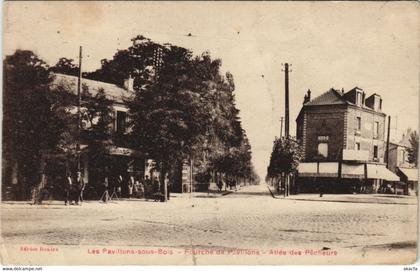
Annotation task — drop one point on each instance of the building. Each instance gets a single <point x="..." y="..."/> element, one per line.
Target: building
<point x="399" y="164"/>
<point x="120" y="158"/>
<point x="342" y="135"/>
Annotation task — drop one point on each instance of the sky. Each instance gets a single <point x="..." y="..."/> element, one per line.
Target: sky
<point x="372" y="45"/>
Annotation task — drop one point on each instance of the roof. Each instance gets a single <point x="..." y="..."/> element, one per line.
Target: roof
<point x="412" y="174"/>
<point x="329" y="97"/>
<point x="400" y="144"/>
<point x="112" y="92"/>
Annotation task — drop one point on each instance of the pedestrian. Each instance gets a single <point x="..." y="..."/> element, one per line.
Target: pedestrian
<point x="118" y="185"/>
<point x="156" y="185"/>
<point x="168" y="187"/>
<point x="80" y="187"/>
<point x="147" y="181"/>
<point x="68" y="185"/>
<point x="136" y="189"/>
<point x="142" y="190"/>
<point x="130" y="185"/>
<point x="220" y="185"/>
<point x="105" y="186"/>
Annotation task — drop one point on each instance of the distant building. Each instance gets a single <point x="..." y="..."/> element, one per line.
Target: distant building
<point x="343" y="139"/>
<point x="399" y="164"/>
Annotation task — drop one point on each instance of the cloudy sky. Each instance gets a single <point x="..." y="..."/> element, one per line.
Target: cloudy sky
<point x="374" y="46"/>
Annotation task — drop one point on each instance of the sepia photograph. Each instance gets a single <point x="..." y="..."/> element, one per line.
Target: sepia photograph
<point x="147" y="133"/>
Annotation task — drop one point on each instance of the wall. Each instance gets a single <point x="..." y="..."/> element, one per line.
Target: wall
<point x="366" y="134"/>
<point x="323" y="121"/>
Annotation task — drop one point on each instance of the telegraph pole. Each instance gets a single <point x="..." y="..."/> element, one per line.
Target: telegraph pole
<point x="281" y="126"/>
<point x="286" y="124"/>
<point x="286" y="89"/>
<point x="79" y="115"/>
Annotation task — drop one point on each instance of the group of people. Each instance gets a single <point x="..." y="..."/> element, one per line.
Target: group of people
<point x="112" y="187"/>
<point x="229" y="183"/>
<point x="74" y="189"/>
<point x="135" y="188"/>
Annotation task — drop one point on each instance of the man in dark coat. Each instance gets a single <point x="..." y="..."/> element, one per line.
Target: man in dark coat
<point x="68" y="189"/>
<point x="80" y="186"/>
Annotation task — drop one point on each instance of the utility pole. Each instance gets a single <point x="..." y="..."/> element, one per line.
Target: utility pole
<point x="387" y="142"/>
<point x="286" y="89"/>
<point x="79" y="115"/>
<point x="286" y="125"/>
<point x="281" y="126"/>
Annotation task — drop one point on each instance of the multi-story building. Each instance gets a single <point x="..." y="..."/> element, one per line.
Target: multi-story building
<point x="399" y="164"/>
<point x="342" y="135"/>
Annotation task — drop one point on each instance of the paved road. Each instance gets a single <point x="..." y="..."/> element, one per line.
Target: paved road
<point x="248" y="219"/>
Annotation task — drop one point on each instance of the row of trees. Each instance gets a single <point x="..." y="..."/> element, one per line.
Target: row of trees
<point x="183" y="108"/>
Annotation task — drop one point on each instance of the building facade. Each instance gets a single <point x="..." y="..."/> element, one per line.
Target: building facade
<point x="343" y="139"/>
<point x="399" y="164"/>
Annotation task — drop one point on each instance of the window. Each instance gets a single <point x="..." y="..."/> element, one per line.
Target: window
<point x="375" y="129"/>
<point x="359" y="98"/>
<point x="121" y="122"/>
<point x="375" y="152"/>
<point x="323" y="149"/>
<point x="358" y="123"/>
<point x="357" y="146"/>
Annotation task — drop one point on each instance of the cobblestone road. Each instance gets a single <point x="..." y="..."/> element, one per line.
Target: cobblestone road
<point x="249" y="218"/>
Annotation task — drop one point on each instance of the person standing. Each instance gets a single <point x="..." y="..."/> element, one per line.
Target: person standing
<point x="118" y="185"/>
<point x="130" y="185"/>
<point x="105" y="186"/>
<point x="80" y="187"/>
<point x="168" y="187"/>
<point x="68" y="189"/>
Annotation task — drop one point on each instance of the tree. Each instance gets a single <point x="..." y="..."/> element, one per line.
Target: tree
<point x="284" y="160"/>
<point x="183" y="107"/>
<point x="413" y="151"/>
<point x="97" y="113"/>
<point x="170" y="116"/>
<point x="30" y="124"/>
<point x="285" y="157"/>
<point x="65" y="66"/>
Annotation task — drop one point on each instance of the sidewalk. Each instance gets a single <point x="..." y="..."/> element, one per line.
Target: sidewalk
<point x="90" y="201"/>
<point x="353" y="198"/>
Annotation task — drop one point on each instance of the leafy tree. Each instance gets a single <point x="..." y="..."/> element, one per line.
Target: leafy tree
<point x="65" y="66"/>
<point x="30" y="124"/>
<point x="182" y="109"/>
<point x="97" y="113"/>
<point x="285" y="157"/>
<point x="413" y="151"/>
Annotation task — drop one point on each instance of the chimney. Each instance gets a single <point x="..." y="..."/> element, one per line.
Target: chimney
<point x="307" y="97"/>
<point x="129" y="83"/>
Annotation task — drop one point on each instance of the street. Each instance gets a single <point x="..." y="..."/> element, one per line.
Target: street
<point x="246" y="219"/>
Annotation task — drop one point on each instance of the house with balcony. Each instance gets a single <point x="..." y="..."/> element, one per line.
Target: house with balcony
<point x="342" y="135"/>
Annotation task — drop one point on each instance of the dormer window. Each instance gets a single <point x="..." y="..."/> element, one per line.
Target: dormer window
<point x="359" y="98"/>
<point x="377" y="103"/>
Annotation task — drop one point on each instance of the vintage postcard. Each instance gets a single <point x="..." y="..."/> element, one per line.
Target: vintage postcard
<point x="209" y="133"/>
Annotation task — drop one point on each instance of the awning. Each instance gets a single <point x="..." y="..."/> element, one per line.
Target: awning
<point x="353" y="171"/>
<point x="308" y="169"/>
<point x="375" y="171"/>
<point x="322" y="169"/>
<point x="412" y="174"/>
